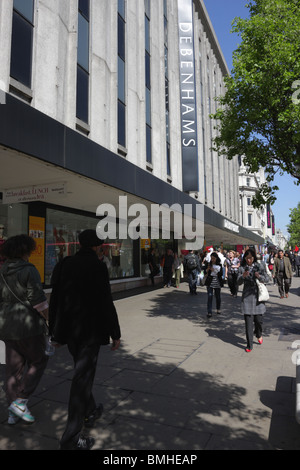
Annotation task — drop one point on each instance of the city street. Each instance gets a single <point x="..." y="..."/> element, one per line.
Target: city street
<point x="179" y="381"/>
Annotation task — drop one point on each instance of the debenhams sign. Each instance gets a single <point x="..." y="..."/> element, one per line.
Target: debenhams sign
<point x="231" y="226"/>
<point x="188" y="96"/>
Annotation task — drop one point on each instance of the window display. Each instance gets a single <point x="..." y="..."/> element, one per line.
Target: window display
<point x="62" y="230"/>
<point x="13" y="221"/>
<point x="160" y="247"/>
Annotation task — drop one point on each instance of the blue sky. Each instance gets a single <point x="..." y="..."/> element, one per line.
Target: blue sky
<point x="222" y="13"/>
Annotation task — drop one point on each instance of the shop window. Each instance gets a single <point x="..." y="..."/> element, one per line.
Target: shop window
<point x="160" y="247"/>
<point x="62" y="231"/>
<point x="13" y="221"/>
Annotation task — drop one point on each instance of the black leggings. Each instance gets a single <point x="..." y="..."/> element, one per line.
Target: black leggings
<point x="258" y="321"/>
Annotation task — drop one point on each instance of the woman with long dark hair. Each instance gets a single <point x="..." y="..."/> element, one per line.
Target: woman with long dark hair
<point x="252" y="309"/>
<point x="214" y="282"/>
<point x="22" y="328"/>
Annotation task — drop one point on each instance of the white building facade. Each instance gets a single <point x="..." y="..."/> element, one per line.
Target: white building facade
<point x="260" y="221"/>
<point x="281" y="240"/>
<point x="103" y="98"/>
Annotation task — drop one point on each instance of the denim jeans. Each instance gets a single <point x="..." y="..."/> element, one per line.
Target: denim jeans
<point x="210" y="293"/>
<point x="193" y="280"/>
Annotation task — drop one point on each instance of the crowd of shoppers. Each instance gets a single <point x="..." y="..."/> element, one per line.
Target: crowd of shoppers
<point x="82" y="315"/>
<point x="213" y="269"/>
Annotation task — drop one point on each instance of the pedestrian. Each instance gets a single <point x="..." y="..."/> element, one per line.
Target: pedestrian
<point x="214" y="282"/>
<point x="283" y="273"/>
<point x="154" y="270"/>
<point x="273" y="270"/>
<point x="23" y="311"/>
<point x="291" y="255"/>
<point x="192" y="267"/>
<point x="265" y="256"/>
<point x="208" y="254"/>
<point x="83" y="316"/>
<point x="231" y="272"/>
<point x="297" y="264"/>
<point x="270" y="262"/>
<point x="265" y="265"/>
<point x="168" y="268"/>
<point x="252" y="309"/>
<point x="223" y="263"/>
<point x="177" y="269"/>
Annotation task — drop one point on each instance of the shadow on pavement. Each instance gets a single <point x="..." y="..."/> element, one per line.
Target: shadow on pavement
<point x="173" y="391"/>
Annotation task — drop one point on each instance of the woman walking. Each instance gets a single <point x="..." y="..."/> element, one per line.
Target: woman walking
<point x="214" y="282"/>
<point x="231" y="272"/>
<point x="177" y="270"/>
<point x="22" y="301"/>
<point x="252" y="309"/>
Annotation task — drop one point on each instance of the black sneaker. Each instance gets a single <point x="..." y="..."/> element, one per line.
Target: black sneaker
<point x="89" y="421"/>
<point x="82" y="443"/>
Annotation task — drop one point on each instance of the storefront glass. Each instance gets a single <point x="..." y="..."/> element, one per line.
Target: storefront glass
<point x="62" y="231"/>
<point x="13" y="221"/>
<point x="160" y="247"/>
<point x="14" y="218"/>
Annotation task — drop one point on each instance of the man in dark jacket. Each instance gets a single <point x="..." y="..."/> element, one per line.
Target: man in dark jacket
<point x="192" y="266"/>
<point x="83" y="316"/>
<point x="283" y="273"/>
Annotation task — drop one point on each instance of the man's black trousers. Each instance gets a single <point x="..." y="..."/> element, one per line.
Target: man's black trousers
<point x="81" y="401"/>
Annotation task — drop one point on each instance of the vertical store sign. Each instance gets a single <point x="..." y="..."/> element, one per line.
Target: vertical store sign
<point x="37" y="232"/>
<point x="273" y="225"/>
<point x="190" y="180"/>
<point x="268" y="216"/>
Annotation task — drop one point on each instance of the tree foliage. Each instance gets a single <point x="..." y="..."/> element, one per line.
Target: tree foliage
<point x="259" y="115"/>
<point x="294" y="226"/>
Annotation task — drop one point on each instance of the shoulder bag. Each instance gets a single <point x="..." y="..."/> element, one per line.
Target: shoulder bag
<point x="23" y="303"/>
<point x="263" y="294"/>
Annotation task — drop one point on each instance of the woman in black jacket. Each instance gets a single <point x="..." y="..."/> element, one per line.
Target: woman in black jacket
<point x="22" y="328"/>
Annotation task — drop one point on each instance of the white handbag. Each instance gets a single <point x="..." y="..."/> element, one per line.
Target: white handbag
<point x="263" y="294"/>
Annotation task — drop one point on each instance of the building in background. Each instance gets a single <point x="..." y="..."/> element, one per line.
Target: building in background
<point x="281" y="240"/>
<point x="260" y="221"/>
<point x="106" y="98"/>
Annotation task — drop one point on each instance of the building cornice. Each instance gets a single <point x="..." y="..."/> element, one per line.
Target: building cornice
<point x="209" y="29"/>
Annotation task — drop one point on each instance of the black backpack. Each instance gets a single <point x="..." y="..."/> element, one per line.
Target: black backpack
<point x="191" y="262"/>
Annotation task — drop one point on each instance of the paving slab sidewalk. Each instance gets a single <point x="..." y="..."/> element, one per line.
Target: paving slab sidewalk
<point x="180" y="381"/>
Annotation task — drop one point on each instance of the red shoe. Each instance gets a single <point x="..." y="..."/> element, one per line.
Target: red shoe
<point x="248" y="350"/>
<point x="260" y="340"/>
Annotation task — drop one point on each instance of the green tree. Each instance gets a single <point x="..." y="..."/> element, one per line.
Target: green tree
<point x="259" y="115"/>
<point x="294" y="226"/>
